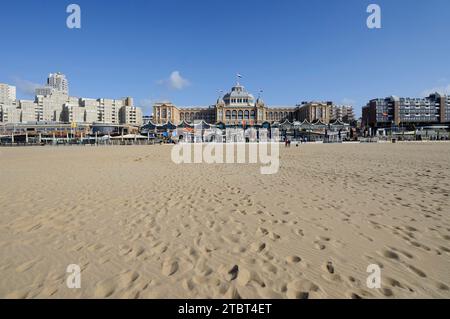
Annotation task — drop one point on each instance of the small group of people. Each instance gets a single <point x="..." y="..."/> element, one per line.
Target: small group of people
<point x="287" y="142"/>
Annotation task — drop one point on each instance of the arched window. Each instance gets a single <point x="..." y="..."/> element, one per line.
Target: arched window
<point x="234" y="115"/>
<point x="270" y="116"/>
<point x="240" y="115"/>
<point x="182" y="116"/>
<point x="228" y="114"/>
<point x="164" y="113"/>
<point x="246" y="115"/>
<point x="252" y="115"/>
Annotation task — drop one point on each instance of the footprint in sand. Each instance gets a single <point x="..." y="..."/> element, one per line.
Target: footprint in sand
<point x="390" y="254"/>
<point x="257" y="247"/>
<point x="229" y="273"/>
<point x="301" y="289"/>
<point x="128" y="278"/>
<point x="105" y="288"/>
<point x="417" y="271"/>
<point x="169" y="267"/>
<point x="293" y="259"/>
<point x="319" y="246"/>
<point x="274" y="236"/>
<point x="330" y="267"/>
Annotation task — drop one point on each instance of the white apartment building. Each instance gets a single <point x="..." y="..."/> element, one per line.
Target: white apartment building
<point x="53" y="104"/>
<point x="45" y="91"/>
<point x="7" y="93"/>
<point x="49" y="108"/>
<point x="28" y="111"/>
<point x="90" y="107"/>
<point x="131" y="115"/>
<point x="9" y="113"/>
<point x="108" y="110"/>
<point x="73" y="113"/>
<point x="59" y="82"/>
<point x="56" y="82"/>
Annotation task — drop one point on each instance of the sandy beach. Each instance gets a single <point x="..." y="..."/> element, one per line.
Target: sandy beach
<point x="140" y="226"/>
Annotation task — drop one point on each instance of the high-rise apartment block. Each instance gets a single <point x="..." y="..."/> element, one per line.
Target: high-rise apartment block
<point x="53" y="104"/>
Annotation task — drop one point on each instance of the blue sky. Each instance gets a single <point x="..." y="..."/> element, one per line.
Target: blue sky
<point x="293" y="50"/>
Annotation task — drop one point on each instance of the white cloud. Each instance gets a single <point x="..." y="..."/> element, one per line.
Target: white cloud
<point x="24" y="86"/>
<point x="440" y="89"/>
<point x="175" y="81"/>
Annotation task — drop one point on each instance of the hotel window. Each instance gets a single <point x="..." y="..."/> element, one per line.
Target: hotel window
<point x="252" y="115"/>
<point x="228" y="115"/>
<point x="246" y="115"/>
<point x="240" y="115"/>
<point x="234" y="115"/>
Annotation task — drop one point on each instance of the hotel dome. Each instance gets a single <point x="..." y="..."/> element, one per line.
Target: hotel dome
<point x="239" y="97"/>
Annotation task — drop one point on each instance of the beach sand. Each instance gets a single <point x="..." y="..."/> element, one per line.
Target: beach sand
<point x="140" y="226"/>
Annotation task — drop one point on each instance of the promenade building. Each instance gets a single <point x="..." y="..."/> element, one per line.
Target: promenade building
<point x="239" y="107"/>
<point x="395" y="111"/>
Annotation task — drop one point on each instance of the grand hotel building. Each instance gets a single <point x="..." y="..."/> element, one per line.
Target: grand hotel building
<point x="239" y="107"/>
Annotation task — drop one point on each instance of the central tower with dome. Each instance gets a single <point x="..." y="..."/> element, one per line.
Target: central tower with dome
<point x="239" y="107"/>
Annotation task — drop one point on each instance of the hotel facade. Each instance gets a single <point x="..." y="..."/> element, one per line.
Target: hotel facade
<point x="239" y="107"/>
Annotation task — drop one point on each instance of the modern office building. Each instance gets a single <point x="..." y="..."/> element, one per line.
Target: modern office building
<point x="395" y="111"/>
